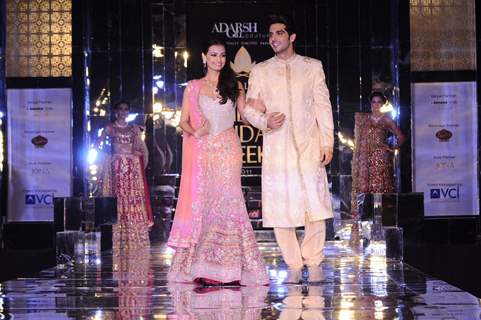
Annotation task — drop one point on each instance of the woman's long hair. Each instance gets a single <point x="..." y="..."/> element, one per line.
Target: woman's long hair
<point x="227" y="85"/>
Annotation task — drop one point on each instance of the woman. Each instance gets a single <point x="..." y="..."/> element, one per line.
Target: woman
<point x="211" y="232"/>
<point x="123" y="177"/>
<point x="372" y="162"/>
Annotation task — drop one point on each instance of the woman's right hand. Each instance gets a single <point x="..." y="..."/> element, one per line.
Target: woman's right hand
<point x="203" y="130"/>
<point x="388" y="148"/>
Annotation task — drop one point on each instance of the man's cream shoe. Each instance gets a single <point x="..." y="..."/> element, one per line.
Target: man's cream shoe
<point x="315" y="274"/>
<point x="293" y="276"/>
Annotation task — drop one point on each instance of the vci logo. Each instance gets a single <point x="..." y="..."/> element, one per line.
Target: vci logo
<point x="45" y="199"/>
<point x="445" y="193"/>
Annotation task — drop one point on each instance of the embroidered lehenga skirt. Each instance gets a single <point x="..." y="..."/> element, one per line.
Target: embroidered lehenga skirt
<point x="223" y="247"/>
<point x="128" y="184"/>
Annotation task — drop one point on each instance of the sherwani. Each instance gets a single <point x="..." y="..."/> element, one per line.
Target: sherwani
<point x="294" y="183"/>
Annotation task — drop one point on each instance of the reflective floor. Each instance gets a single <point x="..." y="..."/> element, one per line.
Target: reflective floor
<point x="135" y="287"/>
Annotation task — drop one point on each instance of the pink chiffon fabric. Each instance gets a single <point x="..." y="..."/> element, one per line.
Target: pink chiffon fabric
<point x="211" y="233"/>
<point x="181" y="234"/>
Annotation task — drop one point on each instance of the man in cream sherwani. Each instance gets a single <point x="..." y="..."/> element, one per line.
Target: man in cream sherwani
<point x="288" y="99"/>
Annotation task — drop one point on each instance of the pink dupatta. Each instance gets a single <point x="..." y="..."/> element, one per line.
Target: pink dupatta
<point x="187" y="217"/>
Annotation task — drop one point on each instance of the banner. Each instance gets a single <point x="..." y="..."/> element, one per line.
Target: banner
<point x="39" y="151"/>
<point x="242" y="27"/>
<point x="445" y="131"/>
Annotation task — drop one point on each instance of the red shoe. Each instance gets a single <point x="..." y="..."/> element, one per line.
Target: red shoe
<point x="206" y="289"/>
<point x="210" y="282"/>
<point x="214" y="283"/>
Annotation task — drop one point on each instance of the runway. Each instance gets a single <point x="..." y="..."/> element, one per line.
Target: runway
<point x="134" y="287"/>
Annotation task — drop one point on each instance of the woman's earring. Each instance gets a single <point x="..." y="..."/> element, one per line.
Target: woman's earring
<point x="205" y="67"/>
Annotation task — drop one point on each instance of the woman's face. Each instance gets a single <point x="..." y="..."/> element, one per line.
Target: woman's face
<point x="215" y="57"/>
<point x="376" y="104"/>
<point x="122" y="111"/>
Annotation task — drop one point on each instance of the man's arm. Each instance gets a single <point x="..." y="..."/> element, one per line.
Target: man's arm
<point x="255" y="116"/>
<point x="254" y="109"/>
<point x="323" y="111"/>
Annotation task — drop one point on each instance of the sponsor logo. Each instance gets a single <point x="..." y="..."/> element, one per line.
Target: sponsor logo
<point x="39" y="108"/>
<point x="235" y="30"/>
<point x="444" y="165"/>
<point x="42" y="199"/>
<point x="447" y="193"/>
<point x="29" y="199"/>
<point x="242" y="64"/>
<point x="444" y="162"/>
<point x="444" y="135"/>
<point x="39" y="141"/>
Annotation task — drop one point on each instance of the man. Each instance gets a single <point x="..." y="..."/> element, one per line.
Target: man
<point x="298" y="143"/>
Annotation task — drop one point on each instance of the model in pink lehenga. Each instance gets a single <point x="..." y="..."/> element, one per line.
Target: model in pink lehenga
<point x="211" y="233"/>
<point x="123" y="176"/>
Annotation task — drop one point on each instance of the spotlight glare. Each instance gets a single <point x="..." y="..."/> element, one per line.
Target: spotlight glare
<point x="157" y="107"/>
<point x="160" y="84"/>
<point x="387" y="107"/>
<point x="92" y="156"/>
<point x="131" y="117"/>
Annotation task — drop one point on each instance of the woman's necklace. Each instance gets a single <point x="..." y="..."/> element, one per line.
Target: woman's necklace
<point x="376" y="118"/>
<point x="121" y="125"/>
<point x="213" y="87"/>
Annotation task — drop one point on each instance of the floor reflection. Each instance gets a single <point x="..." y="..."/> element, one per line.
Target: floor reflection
<point x="133" y="273"/>
<point x="132" y="285"/>
<point x="303" y="302"/>
<point x="193" y="302"/>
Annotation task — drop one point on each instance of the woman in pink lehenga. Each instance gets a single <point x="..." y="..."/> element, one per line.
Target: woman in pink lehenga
<point x="211" y="233"/>
<point x="123" y="176"/>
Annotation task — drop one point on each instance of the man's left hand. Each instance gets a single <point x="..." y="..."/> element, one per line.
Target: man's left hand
<point x="326" y="156"/>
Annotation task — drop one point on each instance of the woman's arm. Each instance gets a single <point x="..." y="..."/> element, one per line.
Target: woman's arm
<point x="184" y="123"/>
<point x="105" y="133"/>
<point x="392" y="127"/>
<point x="241" y="102"/>
<point x="140" y="146"/>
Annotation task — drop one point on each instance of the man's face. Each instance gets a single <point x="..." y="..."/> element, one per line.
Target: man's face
<point x="279" y="39"/>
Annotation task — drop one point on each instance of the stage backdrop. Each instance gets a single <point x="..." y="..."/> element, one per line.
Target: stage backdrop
<point x="445" y="131"/>
<point x="243" y="28"/>
<point x="39" y="151"/>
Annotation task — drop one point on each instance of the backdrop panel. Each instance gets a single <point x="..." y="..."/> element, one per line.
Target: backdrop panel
<point x="445" y="133"/>
<point x="39" y="151"/>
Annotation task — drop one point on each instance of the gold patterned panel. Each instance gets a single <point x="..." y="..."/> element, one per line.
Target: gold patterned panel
<point x="443" y="35"/>
<point x="39" y="38"/>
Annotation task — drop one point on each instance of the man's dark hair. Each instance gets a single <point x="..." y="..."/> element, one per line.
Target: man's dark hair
<point x="285" y="20"/>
